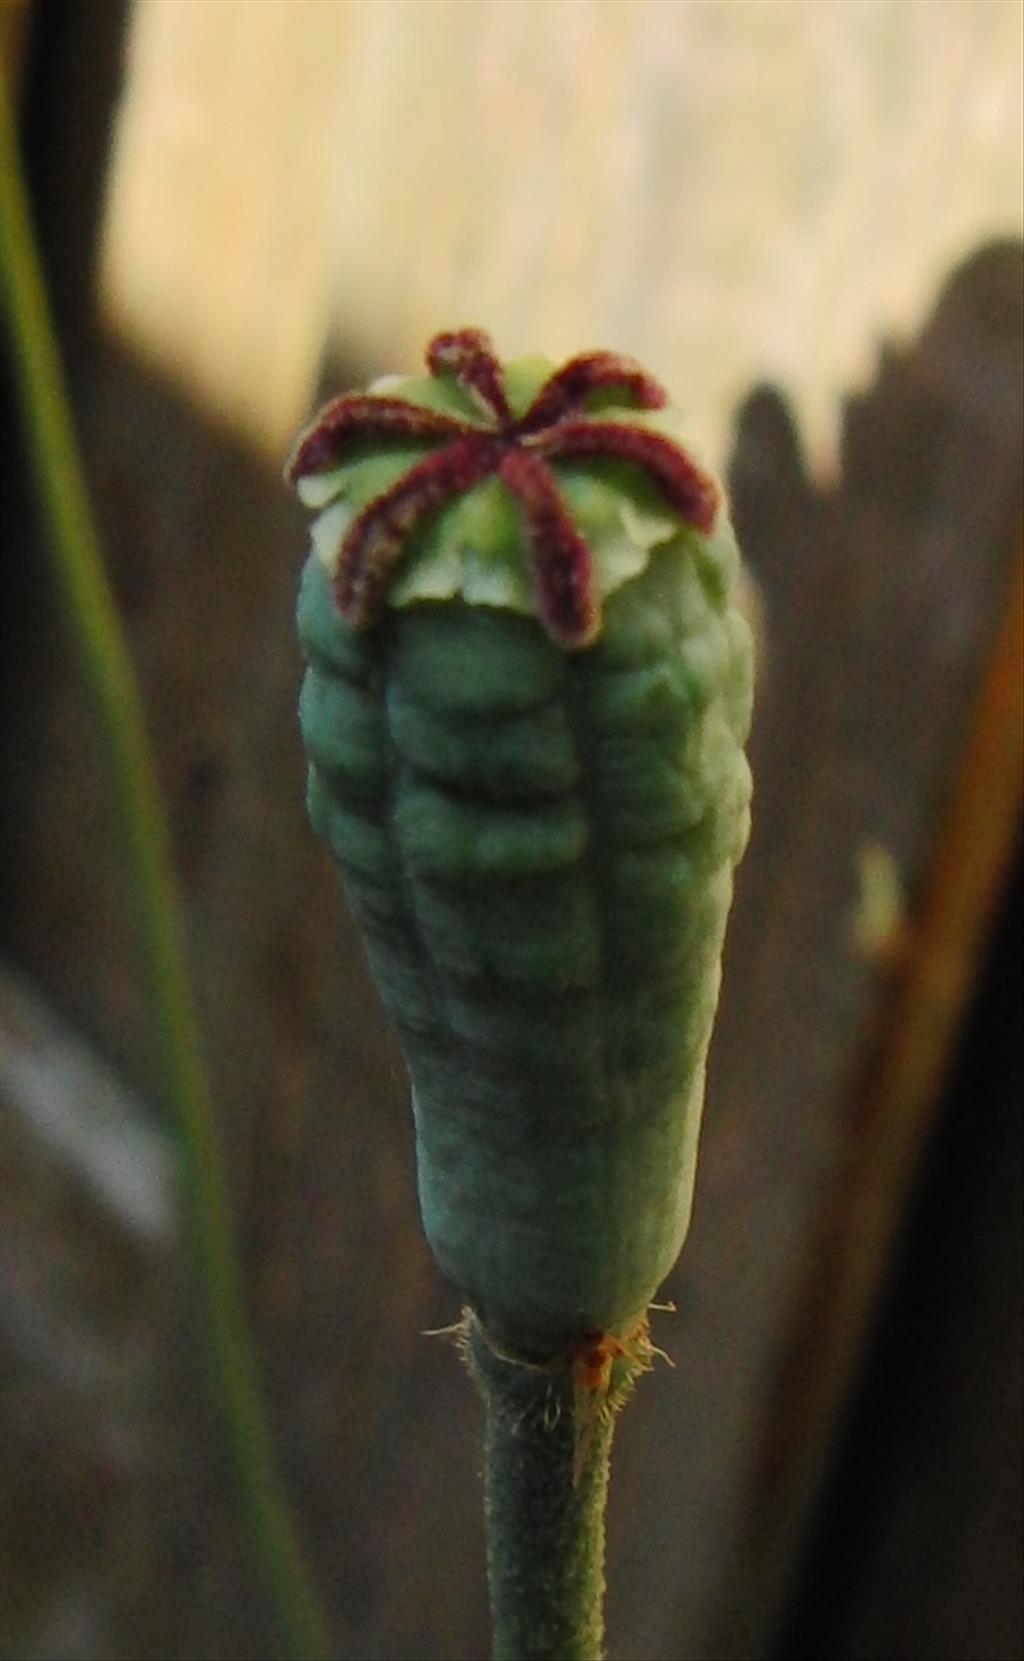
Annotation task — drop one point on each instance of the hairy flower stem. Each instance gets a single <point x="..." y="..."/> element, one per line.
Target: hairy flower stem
<point x="546" y="1458"/>
<point x="73" y="539"/>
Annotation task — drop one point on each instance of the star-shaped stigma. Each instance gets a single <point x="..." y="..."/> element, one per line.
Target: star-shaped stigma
<point x="519" y="450"/>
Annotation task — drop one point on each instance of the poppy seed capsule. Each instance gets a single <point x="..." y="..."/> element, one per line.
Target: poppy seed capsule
<point x="527" y="693"/>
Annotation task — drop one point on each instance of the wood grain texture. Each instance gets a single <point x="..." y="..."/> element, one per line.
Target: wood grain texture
<point x="723" y="190"/>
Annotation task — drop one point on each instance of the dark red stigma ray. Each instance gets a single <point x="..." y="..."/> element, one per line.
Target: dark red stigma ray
<point x="374" y="542"/>
<point x="359" y="415"/>
<point x="688" y="490"/>
<point x="565" y="392"/>
<point x="469" y="356"/>
<point x="563" y="566"/>
<point x="555" y="427"/>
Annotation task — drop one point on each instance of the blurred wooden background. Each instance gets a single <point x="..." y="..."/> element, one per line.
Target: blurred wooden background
<point x="728" y="190"/>
<point x="754" y="198"/>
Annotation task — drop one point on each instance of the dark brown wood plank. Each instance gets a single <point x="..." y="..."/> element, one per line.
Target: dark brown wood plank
<point x="922" y="747"/>
<point x="918" y="1547"/>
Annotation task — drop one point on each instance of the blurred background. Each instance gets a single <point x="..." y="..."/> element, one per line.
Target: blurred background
<point x="805" y="217"/>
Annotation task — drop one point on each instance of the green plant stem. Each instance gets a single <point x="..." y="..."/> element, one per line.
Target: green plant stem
<point x="546" y="1490"/>
<point x="65" y="507"/>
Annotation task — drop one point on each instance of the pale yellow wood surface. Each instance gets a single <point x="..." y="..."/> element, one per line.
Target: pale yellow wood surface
<point x="732" y="189"/>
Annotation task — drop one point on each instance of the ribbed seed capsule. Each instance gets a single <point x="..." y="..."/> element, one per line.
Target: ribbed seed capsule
<point x="537" y="836"/>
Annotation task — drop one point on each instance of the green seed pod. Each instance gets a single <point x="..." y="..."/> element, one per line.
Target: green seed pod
<point x="527" y="696"/>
